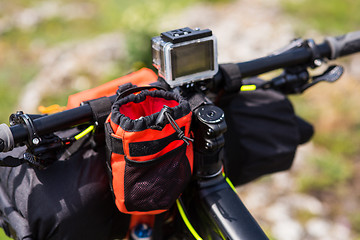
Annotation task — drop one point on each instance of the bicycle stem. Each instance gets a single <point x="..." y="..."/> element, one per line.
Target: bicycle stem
<point x="216" y="196"/>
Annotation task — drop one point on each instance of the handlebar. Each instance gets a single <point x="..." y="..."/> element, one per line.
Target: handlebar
<point x="331" y="48"/>
<point x="17" y="134"/>
<point x="53" y="122"/>
<point x="14" y="135"/>
<point x="294" y="57"/>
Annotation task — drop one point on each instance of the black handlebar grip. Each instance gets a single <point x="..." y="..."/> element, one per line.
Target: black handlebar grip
<point x="6" y="138"/>
<point x="344" y="45"/>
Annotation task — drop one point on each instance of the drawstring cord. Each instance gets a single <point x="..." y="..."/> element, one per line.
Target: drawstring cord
<point x="164" y="117"/>
<point x="176" y="127"/>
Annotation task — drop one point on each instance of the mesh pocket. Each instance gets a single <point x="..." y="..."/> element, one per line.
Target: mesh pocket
<point x="157" y="183"/>
<point x="150" y="150"/>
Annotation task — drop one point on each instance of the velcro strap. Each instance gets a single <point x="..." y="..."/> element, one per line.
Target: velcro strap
<point x="114" y="144"/>
<point x="196" y="100"/>
<point x="232" y="76"/>
<point x="124" y="87"/>
<point x="101" y="108"/>
<point x="138" y="149"/>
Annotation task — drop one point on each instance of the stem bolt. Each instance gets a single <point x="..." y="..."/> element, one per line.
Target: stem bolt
<point x="36" y="141"/>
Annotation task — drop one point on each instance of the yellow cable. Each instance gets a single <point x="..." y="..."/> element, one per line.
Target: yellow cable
<point x="85" y="132"/>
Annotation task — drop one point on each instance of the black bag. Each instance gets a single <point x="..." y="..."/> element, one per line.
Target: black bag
<point x="70" y="199"/>
<point x="263" y="133"/>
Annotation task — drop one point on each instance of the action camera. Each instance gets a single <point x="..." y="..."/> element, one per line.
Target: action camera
<point x="184" y="56"/>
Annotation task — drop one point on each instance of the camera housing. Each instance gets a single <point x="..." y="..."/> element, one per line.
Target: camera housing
<point x="184" y="55"/>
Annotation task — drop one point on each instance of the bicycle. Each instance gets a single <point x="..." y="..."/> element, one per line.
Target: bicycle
<point x="221" y="214"/>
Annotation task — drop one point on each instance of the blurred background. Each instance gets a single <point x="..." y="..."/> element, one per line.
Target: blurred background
<point x="51" y="49"/>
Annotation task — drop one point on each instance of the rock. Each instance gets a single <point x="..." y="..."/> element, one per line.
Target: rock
<point x="287" y="229"/>
<point x="318" y="228"/>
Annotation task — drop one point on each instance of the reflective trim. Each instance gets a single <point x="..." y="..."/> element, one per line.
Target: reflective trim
<point x="186" y="220"/>
<point x="229" y="182"/>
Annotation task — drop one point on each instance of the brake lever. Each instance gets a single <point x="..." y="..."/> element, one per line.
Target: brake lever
<point x="45" y="152"/>
<point x="332" y="73"/>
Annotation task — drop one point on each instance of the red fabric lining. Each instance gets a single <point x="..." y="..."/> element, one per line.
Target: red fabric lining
<point x="145" y="108"/>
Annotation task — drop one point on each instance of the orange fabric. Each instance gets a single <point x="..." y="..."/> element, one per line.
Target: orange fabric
<point x="139" y="219"/>
<point x="141" y="77"/>
<point x="143" y="213"/>
<point x="118" y="170"/>
<point x="118" y="161"/>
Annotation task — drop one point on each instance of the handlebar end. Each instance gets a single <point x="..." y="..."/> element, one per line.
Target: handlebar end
<point x="344" y="45"/>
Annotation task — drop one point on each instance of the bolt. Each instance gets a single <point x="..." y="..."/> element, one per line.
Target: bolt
<point x="36" y="141"/>
<point x="317" y="62"/>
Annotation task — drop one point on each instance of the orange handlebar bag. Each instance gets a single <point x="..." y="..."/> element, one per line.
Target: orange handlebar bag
<point x="144" y="76"/>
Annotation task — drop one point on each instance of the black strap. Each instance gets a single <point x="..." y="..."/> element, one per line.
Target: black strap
<point x="232" y="76"/>
<point x="196" y="100"/>
<point x="68" y="152"/>
<point x="10" y="161"/>
<point x="113" y="144"/>
<point x="109" y="171"/>
<point x="124" y="87"/>
<point x="101" y="108"/>
<point x="129" y="91"/>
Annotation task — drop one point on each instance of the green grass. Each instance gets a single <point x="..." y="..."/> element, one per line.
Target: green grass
<point x="327" y="171"/>
<point x="340" y="142"/>
<point x="330" y="16"/>
<point x="12" y="80"/>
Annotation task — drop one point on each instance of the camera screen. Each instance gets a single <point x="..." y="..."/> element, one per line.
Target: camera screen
<point x="192" y="58"/>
